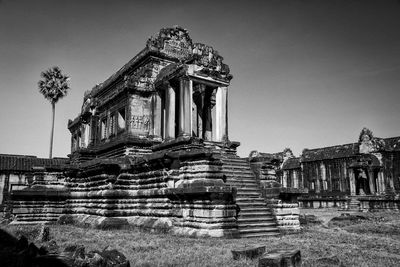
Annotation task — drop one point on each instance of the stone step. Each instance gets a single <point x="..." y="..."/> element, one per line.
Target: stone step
<point x="238" y="186"/>
<point x="240" y="178"/>
<point x="254" y="214"/>
<point x="262" y="234"/>
<point x="244" y="209"/>
<point x="250" y="205"/>
<point x="250" y="220"/>
<point x="250" y="200"/>
<point x="242" y="190"/>
<point x="249" y="180"/>
<point x="248" y="194"/>
<point x="237" y="172"/>
<point x="245" y="189"/>
<point x="257" y="225"/>
<point x="242" y="184"/>
<point x="258" y="230"/>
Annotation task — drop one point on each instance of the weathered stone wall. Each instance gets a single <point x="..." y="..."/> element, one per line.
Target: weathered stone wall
<point x="172" y="193"/>
<point x="43" y="200"/>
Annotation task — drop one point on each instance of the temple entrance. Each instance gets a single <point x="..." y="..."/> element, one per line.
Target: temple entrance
<point x="362" y="182"/>
<point x="366" y="177"/>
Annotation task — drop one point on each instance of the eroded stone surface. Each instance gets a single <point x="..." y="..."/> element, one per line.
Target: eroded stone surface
<point x="248" y="252"/>
<point x="281" y="258"/>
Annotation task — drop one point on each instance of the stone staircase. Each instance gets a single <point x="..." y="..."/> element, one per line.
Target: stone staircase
<point x="255" y="218"/>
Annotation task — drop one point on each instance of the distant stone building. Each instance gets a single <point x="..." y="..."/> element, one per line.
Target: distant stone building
<point x="19" y="171"/>
<point x="369" y="168"/>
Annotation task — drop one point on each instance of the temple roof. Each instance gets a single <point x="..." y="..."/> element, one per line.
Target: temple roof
<point x="174" y="44"/>
<point x="292" y="163"/>
<point x="391" y="144"/>
<point x="24" y="163"/>
<point x="333" y="152"/>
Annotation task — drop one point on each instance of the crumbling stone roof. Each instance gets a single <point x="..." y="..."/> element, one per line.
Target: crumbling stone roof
<point x="292" y="163"/>
<point x="24" y="163"/>
<point x="391" y="144"/>
<point x="333" y="152"/>
<point x="348" y="150"/>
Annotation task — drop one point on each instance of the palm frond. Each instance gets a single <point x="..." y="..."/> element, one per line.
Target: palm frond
<point x="54" y="84"/>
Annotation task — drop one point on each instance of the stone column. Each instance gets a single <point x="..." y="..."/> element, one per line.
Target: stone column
<point x="195" y="123"/>
<point x="371" y="181"/>
<point x="185" y="106"/>
<point x="295" y="179"/>
<point x="94" y="122"/>
<point x="352" y="182"/>
<point x="157" y="113"/>
<point x="382" y="182"/>
<point x="323" y="175"/>
<point x="221" y="114"/>
<point x="207" y="114"/>
<point x="170" y="112"/>
<point x="86" y="134"/>
<point x="284" y="179"/>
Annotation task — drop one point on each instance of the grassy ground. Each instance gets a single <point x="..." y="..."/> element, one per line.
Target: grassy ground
<point x="372" y="242"/>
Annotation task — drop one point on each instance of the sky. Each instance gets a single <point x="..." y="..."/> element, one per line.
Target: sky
<point x="306" y="73"/>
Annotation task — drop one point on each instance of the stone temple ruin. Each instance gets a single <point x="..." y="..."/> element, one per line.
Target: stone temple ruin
<point x="150" y="148"/>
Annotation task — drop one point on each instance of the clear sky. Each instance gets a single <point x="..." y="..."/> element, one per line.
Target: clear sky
<point x="307" y="73"/>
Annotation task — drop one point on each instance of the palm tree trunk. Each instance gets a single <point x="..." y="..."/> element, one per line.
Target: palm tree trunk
<point x="53" y="109"/>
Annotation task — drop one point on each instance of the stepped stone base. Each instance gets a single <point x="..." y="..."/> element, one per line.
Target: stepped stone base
<point x="178" y="191"/>
<point x="287" y="215"/>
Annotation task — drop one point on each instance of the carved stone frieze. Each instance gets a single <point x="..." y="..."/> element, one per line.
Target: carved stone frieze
<point x="172" y="42"/>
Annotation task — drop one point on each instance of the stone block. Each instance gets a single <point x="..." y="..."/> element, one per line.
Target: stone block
<point x="281" y="258"/>
<point x="248" y="252"/>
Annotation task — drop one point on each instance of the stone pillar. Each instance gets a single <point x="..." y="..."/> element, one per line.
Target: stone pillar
<point x="295" y="179"/>
<point x="195" y="123"/>
<point x="371" y="181"/>
<point x="284" y="179"/>
<point x="86" y="135"/>
<point x="170" y="112"/>
<point x="207" y="114"/>
<point x="323" y="176"/>
<point x="157" y="114"/>
<point x="382" y="182"/>
<point x="94" y="129"/>
<point x="185" y="106"/>
<point x="352" y="181"/>
<point x="221" y="114"/>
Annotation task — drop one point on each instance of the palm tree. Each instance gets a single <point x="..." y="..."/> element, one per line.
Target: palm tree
<point x="53" y="87"/>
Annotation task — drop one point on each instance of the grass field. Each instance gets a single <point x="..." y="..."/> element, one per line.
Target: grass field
<point x="372" y="242"/>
